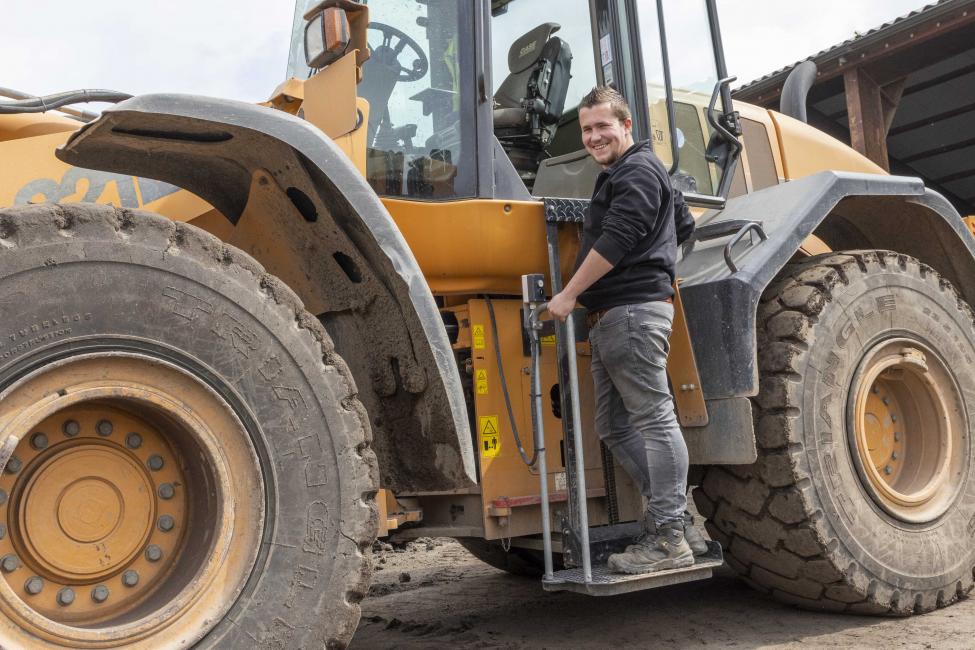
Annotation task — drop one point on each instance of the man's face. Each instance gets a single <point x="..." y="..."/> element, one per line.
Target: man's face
<point x="604" y="136"/>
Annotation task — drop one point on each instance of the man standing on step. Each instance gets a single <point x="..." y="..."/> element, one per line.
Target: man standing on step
<point x="624" y="276"/>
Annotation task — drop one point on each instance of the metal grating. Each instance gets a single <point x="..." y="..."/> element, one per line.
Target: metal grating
<point x="565" y="210"/>
<point x="607" y="583"/>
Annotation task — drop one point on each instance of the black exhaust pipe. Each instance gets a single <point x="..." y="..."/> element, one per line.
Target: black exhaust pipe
<point x="796" y="88"/>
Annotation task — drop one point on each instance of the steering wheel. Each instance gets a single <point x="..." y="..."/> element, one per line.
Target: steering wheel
<point x="389" y="33"/>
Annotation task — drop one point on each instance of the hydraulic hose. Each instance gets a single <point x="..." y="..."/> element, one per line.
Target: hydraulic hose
<point x="504" y="388"/>
<point x="57" y="100"/>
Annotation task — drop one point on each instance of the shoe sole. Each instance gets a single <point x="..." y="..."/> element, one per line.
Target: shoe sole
<point x="622" y="566"/>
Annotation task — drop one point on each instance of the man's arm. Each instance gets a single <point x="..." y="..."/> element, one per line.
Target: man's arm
<point x="592" y="268"/>
<point x="636" y="196"/>
<point x="683" y="219"/>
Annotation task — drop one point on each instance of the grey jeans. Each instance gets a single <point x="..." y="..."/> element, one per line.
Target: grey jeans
<point x="634" y="409"/>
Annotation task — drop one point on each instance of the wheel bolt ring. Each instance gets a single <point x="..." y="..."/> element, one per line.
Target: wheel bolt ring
<point x="13" y="465"/>
<point x="34" y="585"/>
<point x="9" y="563"/>
<point x="130" y="578"/>
<point x="99" y="594"/>
<point x="65" y="596"/>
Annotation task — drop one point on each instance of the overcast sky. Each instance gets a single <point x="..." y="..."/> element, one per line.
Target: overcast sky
<point x="239" y="49"/>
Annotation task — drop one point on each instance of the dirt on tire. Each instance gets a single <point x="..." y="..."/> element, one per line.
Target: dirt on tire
<point x="798" y="524"/>
<point x="136" y="282"/>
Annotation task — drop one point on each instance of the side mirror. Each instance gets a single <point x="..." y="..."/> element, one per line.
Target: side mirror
<point x="327" y="37"/>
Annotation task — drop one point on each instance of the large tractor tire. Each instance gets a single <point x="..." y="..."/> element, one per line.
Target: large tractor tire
<point x="863" y="498"/>
<point x="185" y="458"/>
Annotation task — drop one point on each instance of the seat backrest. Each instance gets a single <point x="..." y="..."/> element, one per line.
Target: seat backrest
<point x="523" y="57"/>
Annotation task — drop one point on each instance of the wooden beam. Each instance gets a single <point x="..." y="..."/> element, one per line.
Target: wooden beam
<point x="865" y="107"/>
<point x="890" y="98"/>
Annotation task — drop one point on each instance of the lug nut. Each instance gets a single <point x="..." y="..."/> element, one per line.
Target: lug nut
<point x="34" y="585"/>
<point x="65" y="596"/>
<point x="166" y="523"/>
<point x="893" y="455"/>
<point x="14" y="465"/>
<point x="897" y="436"/>
<point x="3" y="531"/>
<point x="133" y="441"/>
<point x="155" y="462"/>
<point x="888" y="470"/>
<point x="9" y="563"/>
<point x="893" y="418"/>
<point x="153" y="553"/>
<point x="875" y="390"/>
<point x="71" y="428"/>
<point x="39" y="441"/>
<point x="166" y="491"/>
<point x="885" y="401"/>
<point x="104" y="428"/>
<point x="130" y="578"/>
<point x="3" y="497"/>
<point x="99" y="594"/>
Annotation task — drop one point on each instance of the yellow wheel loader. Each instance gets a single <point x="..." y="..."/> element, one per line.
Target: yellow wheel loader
<point x="239" y="342"/>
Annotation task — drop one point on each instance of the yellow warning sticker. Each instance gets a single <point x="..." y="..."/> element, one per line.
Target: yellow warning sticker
<point x="480" y="382"/>
<point x="489" y="435"/>
<point x="477" y="334"/>
<point x="548" y="341"/>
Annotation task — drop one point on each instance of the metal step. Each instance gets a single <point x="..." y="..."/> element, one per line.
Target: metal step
<point x="607" y="583"/>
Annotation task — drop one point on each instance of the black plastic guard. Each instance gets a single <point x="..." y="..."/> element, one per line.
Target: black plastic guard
<point x="864" y="211"/>
<point x="388" y="328"/>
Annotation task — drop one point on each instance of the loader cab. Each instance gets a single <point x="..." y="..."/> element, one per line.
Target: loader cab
<point x="479" y="99"/>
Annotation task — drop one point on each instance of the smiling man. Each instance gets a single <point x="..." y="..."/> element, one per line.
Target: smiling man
<point x="624" y="277"/>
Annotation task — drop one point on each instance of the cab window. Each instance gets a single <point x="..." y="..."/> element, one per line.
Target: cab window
<point x="542" y="66"/>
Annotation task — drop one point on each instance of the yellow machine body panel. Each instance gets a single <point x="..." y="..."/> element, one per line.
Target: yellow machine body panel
<point x="806" y="151"/>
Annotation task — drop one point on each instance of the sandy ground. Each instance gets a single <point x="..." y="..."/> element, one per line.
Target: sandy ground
<point x="434" y="594"/>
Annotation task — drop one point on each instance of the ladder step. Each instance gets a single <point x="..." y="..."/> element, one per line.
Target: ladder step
<point x="608" y="583"/>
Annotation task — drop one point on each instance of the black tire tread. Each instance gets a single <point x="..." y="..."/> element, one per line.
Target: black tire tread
<point x="765" y="514"/>
<point x="35" y="225"/>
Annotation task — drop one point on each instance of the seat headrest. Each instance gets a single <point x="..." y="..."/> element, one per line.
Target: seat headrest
<point x="525" y="51"/>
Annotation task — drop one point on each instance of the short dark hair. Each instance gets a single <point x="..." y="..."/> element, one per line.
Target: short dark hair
<point x="607" y="95"/>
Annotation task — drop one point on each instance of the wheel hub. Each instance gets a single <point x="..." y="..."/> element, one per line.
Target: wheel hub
<point x="907" y="430"/>
<point x="84" y="510"/>
<point x="96" y="500"/>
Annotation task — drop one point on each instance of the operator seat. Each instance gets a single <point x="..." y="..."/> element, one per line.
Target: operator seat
<point x="530" y="101"/>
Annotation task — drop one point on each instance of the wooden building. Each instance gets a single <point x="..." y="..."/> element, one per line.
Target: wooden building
<point x="902" y="94"/>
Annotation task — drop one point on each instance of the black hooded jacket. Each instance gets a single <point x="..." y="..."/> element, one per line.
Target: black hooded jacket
<point x="636" y="220"/>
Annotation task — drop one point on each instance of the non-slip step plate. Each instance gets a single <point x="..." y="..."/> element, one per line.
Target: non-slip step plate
<point x="607" y="583"/>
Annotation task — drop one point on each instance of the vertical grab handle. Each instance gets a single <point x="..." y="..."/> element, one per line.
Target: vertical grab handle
<point x="581" y="493"/>
<point x="534" y="325"/>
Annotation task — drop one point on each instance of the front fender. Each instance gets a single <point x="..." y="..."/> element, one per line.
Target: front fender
<point x="847" y="211"/>
<point x="315" y="222"/>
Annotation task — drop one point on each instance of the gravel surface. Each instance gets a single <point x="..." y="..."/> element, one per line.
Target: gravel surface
<point x="433" y="594"/>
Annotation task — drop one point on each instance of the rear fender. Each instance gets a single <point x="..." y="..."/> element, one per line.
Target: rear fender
<point x="300" y="207"/>
<point x="847" y="211"/>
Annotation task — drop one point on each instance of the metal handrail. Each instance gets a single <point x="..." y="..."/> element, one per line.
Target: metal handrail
<point x="577" y="442"/>
<point x="748" y="227"/>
